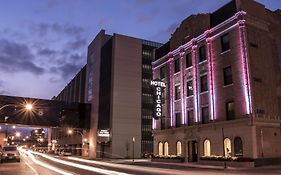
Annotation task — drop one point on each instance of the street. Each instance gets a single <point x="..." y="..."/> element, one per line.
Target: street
<point x="38" y="163"/>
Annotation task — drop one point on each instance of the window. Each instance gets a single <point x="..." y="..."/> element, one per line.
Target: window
<point x="162" y="72"/>
<point x="190" y="117"/>
<point x="227" y="76"/>
<point x="163" y="122"/>
<point x="225" y="42"/>
<point x="203" y="83"/>
<point x="188" y="60"/>
<point x="160" y="149"/>
<point x="177" y="92"/>
<point x="207" y="147"/>
<point x="227" y="147"/>
<point x="179" y="151"/>
<point x="230" y="111"/>
<point x="238" y="147"/>
<point x="205" y="115"/>
<point x="189" y="88"/>
<point x="166" y="149"/>
<point x="178" y="120"/>
<point x="177" y="65"/>
<point x="202" y="53"/>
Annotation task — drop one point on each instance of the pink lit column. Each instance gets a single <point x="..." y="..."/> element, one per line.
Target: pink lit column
<point x="210" y="78"/>
<point x="171" y="69"/>
<point x="182" y="85"/>
<point x="195" y="79"/>
<point x="245" y="65"/>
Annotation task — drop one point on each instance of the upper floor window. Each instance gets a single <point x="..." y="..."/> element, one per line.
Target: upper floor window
<point x="203" y="83"/>
<point x="190" y="118"/>
<point x="202" y="53"/>
<point x="205" y="115"/>
<point x="188" y="60"/>
<point x="225" y="42"/>
<point x="227" y="75"/>
<point x="178" y="120"/>
<point x="230" y="111"/>
<point x="177" y="92"/>
<point x="162" y="72"/>
<point x="177" y="65"/>
<point x="189" y="88"/>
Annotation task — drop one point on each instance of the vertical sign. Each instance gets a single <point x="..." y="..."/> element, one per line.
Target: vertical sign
<point x="158" y="87"/>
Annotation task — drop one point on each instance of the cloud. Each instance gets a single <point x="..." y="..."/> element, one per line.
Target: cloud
<point x="47" y="52"/>
<point x="165" y="34"/>
<point x="16" y="57"/>
<point x="77" y="44"/>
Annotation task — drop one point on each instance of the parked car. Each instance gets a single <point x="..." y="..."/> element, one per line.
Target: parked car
<point x="65" y="152"/>
<point x="10" y="153"/>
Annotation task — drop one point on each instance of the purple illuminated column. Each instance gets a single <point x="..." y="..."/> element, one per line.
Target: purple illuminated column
<point x="195" y="79"/>
<point x="182" y="84"/>
<point x="154" y="122"/>
<point x="245" y="65"/>
<point x="211" y="78"/>
<point x="171" y="69"/>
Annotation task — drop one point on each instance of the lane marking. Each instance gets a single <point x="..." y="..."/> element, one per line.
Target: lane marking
<point x="35" y="172"/>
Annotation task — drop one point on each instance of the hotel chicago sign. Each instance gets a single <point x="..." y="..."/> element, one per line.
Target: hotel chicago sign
<point x="158" y="87"/>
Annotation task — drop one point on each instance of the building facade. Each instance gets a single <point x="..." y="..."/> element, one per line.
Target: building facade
<point x="223" y="76"/>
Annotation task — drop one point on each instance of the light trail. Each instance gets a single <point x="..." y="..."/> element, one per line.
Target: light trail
<point x="84" y="167"/>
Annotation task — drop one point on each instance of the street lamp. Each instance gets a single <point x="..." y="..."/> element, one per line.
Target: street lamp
<point x="18" y="134"/>
<point x="28" y="106"/>
<point x="133" y="148"/>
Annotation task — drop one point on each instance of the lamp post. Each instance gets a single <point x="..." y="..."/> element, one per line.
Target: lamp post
<point x="133" y="148"/>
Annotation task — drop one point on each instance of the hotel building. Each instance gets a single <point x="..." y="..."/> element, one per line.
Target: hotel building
<point x="223" y="77"/>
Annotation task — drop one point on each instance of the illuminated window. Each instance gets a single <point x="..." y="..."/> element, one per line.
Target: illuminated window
<point x="188" y="60"/>
<point x="203" y="83"/>
<point x="227" y="75"/>
<point x="179" y="150"/>
<point x="202" y="53"/>
<point x="230" y="111"/>
<point x="177" y="65"/>
<point x="177" y="92"/>
<point x="166" y="149"/>
<point x="225" y="43"/>
<point x="160" y="149"/>
<point x="238" y="147"/>
<point x="162" y="72"/>
<point x="227" y="147"/>
<point x="189" y="88"/>
<point x="207" y="147"/>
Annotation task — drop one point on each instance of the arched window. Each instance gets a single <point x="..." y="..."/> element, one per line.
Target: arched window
<point x="227" y="147"/>
<point x="166" y="149"/>
<point x="179" y="151"/>
<point x="207" y="147"/>
<point x="238" y="147"/>
<point x="160" y="149"/>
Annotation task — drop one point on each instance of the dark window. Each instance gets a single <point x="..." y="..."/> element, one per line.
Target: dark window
<point x="230" y="112"/>
<point x="203" y="83"/>
<point x="227" y="75"/>
<point x="162" y="72"/>
<point x="163" y="122"/>
<point x="202" y="53"/>
<point x="225" y="42"/>
<point x="178" y="120"/>
<point x="177" y="92"/>
<point x="238" y="147"/>
<point x="188" y="60"/>
<point x="254" y="45"/>
<point x="177" y="65"/>
<point x="189" y="88"/>
<point x="205" y="115"/>
<point x="190" y="118"/>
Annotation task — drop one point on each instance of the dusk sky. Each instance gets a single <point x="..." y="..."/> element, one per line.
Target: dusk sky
<point x="43" y="43"/>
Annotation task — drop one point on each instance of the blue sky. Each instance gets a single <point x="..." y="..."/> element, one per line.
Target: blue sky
<point x="43" y="44"/>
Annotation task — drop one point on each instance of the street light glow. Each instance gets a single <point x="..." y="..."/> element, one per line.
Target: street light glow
<point x="69" y="131"/>
<point x="13" y="126"/>
<point x="28" y="107"/>
<point x="18" y="134"/>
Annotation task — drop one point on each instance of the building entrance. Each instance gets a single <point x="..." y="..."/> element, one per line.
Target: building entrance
<point x="192" y="151"/>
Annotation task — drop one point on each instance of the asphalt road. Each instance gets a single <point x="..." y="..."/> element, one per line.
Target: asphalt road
<point x="42" y="164"/>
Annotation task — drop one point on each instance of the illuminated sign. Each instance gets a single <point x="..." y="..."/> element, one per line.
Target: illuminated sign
<point x="158" y="87"/>
<point x="103" y="133"/>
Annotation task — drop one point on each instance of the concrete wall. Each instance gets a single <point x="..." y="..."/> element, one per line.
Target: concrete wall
<point x="126" y="95"/>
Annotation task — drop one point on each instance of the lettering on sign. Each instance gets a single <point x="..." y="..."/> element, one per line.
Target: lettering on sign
<point x="103" y="133"/>
<point x="158" y="87"/>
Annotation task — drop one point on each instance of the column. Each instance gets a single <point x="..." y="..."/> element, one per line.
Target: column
<point x="195" y="85"/>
